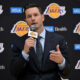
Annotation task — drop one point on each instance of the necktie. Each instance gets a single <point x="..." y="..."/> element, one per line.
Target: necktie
<point x="39" y="50"/>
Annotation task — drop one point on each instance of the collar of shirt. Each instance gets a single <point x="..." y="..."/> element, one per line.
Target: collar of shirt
<point x="43" y="34"/>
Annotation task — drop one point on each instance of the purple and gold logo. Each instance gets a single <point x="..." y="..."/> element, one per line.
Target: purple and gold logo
<point x="20" y="28"/>
<point x="55" y="11"/>
<point x="77" y="29"/>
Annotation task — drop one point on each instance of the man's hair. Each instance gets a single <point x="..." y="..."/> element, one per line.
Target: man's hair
<point x="27" y="6"/>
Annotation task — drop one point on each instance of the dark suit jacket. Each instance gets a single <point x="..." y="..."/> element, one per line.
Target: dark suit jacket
<point x="29" y="70"/>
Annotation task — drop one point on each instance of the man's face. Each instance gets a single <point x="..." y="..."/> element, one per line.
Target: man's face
<point x="34" y="17"/>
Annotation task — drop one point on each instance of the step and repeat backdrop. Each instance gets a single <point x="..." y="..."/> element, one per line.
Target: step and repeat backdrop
<point x="64" y="20"/>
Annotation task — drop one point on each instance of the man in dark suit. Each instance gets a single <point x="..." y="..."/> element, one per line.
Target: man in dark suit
<point x="26" y="64"/>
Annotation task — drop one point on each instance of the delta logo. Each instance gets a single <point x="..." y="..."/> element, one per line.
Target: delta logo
<point x="20" y="28"/>
<point x="55" y="11"/>
<point x="77" y="29"/>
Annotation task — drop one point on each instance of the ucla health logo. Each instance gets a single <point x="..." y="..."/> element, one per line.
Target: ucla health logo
<point x="1" y="47"/>
<point x="1" y="10"/>
<point x="16" y="10"/>
<point x="77" y="29"/>
<point x="55" y="11"/>
<point x="20" y="28"/>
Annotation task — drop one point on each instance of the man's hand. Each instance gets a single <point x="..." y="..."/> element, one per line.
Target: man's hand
<point x="57" y="56"/>
<point x="28" y="44"/>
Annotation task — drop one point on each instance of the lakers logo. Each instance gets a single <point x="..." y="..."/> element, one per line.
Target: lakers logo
<point x="33" y="34"/>
<point x="77" y="65"/>
<point x="55" y="11"/>
<point x="20" y="28"/>
<point x="77" y="29"/>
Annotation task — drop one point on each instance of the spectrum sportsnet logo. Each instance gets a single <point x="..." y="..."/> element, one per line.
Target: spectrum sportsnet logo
<point x="55" y="11"/>
<point x="1" y="10"/>
<point x="77" y="29"/>
<point x="20" y="28"/>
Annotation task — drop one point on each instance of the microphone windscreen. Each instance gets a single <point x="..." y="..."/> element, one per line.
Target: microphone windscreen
<point x="32" y="28"/>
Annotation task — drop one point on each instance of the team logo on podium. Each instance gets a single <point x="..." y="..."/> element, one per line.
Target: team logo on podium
<point x="77" y="29"/>
<point x="55" y="11"/>
<point x="1" y="47"/>
<point x="33" y="34"/>
<point x="20" y="28"/>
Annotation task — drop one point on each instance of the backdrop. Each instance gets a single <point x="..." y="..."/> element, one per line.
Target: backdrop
<point x="61" y="16"/>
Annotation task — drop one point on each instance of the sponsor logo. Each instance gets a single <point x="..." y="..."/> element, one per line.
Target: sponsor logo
<point x="77" y="29"/>
<point x="49" y="28"/>
<point x="1" y="29"/>
<point x="77" y="65"/>
<point x="16" y="10"/>
<point x="2" y="67"/>
<point x="55" y="11"/>
<point x="33" y="34"/>
<point x="76" y="10"/>
<point x="1" y="10"/>
<point x="1" y="47"/>
<point x="52" y="28"/>
<point x="61" y="29"/>
<point x="20" y="28"/>
<point x="76" y="46"/>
